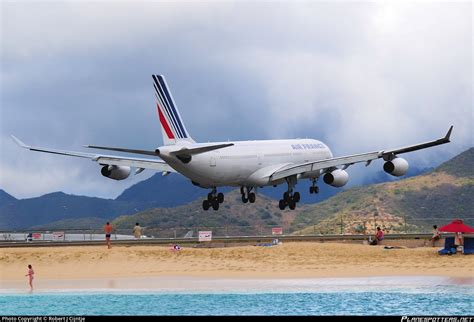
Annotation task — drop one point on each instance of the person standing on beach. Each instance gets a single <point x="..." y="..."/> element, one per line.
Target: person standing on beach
<point x="30" y="275"/>
<point x="108" y="232"/>
<point x="137" y="231"/>
<point x="436" y="235"/>
<point x="458" y="239"/>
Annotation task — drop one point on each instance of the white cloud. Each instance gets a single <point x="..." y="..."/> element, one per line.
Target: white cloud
<point x="359" y="76"/>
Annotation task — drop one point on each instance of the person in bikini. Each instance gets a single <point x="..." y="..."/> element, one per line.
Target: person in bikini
<point x="30" y="275"/>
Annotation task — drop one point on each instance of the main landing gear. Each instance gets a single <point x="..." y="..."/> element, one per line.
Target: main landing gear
<point x="247" y="195"/>
<point x="290" y="198"/>
<point x="213" y="200"/>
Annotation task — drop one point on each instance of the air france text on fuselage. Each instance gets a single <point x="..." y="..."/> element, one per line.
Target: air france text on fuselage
<point x="307" y="146"/>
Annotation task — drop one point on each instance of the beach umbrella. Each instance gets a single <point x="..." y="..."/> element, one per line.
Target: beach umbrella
<point x="457" y="226"/>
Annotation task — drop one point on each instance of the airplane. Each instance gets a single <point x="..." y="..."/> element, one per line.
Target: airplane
<point x="245" y="164"/>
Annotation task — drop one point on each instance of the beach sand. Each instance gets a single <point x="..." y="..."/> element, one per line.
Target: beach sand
<point x="97" y="266"/>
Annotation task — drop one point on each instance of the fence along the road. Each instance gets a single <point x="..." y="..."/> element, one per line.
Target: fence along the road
<point x="338" y="226"/>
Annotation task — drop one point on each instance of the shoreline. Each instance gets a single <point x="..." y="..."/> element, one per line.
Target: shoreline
<point x="188" y="284"/>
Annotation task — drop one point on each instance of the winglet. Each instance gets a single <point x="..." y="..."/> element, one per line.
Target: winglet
<point x="448" y="134"/>
<point x="19" y="142"/>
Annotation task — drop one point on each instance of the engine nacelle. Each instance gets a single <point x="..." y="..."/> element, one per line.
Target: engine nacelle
<point x="115" y="172"/>
<point x="396" y="167"/>
<point x="336" y="178"/>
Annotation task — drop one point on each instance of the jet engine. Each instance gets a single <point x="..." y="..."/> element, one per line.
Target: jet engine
<point x="396" y="167"/>
<point x="115" y="172"/>
<point x="336" y="178"/>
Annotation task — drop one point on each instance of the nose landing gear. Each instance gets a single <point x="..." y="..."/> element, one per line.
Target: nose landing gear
<point x="314" y="188"/>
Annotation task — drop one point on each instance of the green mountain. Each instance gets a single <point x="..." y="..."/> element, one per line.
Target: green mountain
<point x="60" y="210"/>
<point x="461" y="165"/>
<point x="233" y="218"/>
<point x="18" y="214"/>
<point x="410" y="204"/>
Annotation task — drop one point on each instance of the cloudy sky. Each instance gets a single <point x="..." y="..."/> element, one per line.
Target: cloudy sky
<point x="360" y="76"/>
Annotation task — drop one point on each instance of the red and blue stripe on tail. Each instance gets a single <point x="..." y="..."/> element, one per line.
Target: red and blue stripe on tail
<point x="172" y="126"/>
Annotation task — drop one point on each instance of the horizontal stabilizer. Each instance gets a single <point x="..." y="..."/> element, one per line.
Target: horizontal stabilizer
<point x="201" y="149"/>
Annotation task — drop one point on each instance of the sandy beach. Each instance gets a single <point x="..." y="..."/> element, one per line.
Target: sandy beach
<point x="97" y="266"/>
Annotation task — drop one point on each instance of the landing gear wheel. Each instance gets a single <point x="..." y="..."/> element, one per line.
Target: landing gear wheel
<point x="286" y="196"/>
<point x="316" y="189"/>
<point x="206" y="204"/>
<point x="210" y="197"/>
<point x="220" y="197"/>
<point x="311" y="189"/>
<point x="296" y="197"/>
<point x="292" y="204"/>
<point x="282" y="204"/>
<point x="215" y="204"/>
<point x="244" y="199"/>
<point x="252" y="197"/>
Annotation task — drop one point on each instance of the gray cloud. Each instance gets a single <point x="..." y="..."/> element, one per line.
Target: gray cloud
<point x="359" y="76"/>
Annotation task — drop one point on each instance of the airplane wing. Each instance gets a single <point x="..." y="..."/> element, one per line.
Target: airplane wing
<point x="157" y="165"/>
<point x="356" y="158"/>
<point x="146" y="152"/>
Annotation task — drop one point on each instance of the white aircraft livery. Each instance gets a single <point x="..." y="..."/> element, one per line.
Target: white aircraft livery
<point x="244" y="164"/>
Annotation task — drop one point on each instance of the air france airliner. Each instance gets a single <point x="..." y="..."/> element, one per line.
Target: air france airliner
<point x="245" y="164"/>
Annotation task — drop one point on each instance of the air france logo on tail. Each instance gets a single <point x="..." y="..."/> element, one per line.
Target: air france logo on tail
<point x="171" y="122"/>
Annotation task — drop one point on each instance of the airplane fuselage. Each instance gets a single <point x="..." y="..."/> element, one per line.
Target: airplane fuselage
<point x="246" y="163"/>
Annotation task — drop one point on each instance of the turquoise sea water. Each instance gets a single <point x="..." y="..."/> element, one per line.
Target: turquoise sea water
<point x="424" y="300"/>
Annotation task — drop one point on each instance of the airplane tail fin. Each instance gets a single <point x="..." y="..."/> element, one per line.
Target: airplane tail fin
<point x="172" y="125"/>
